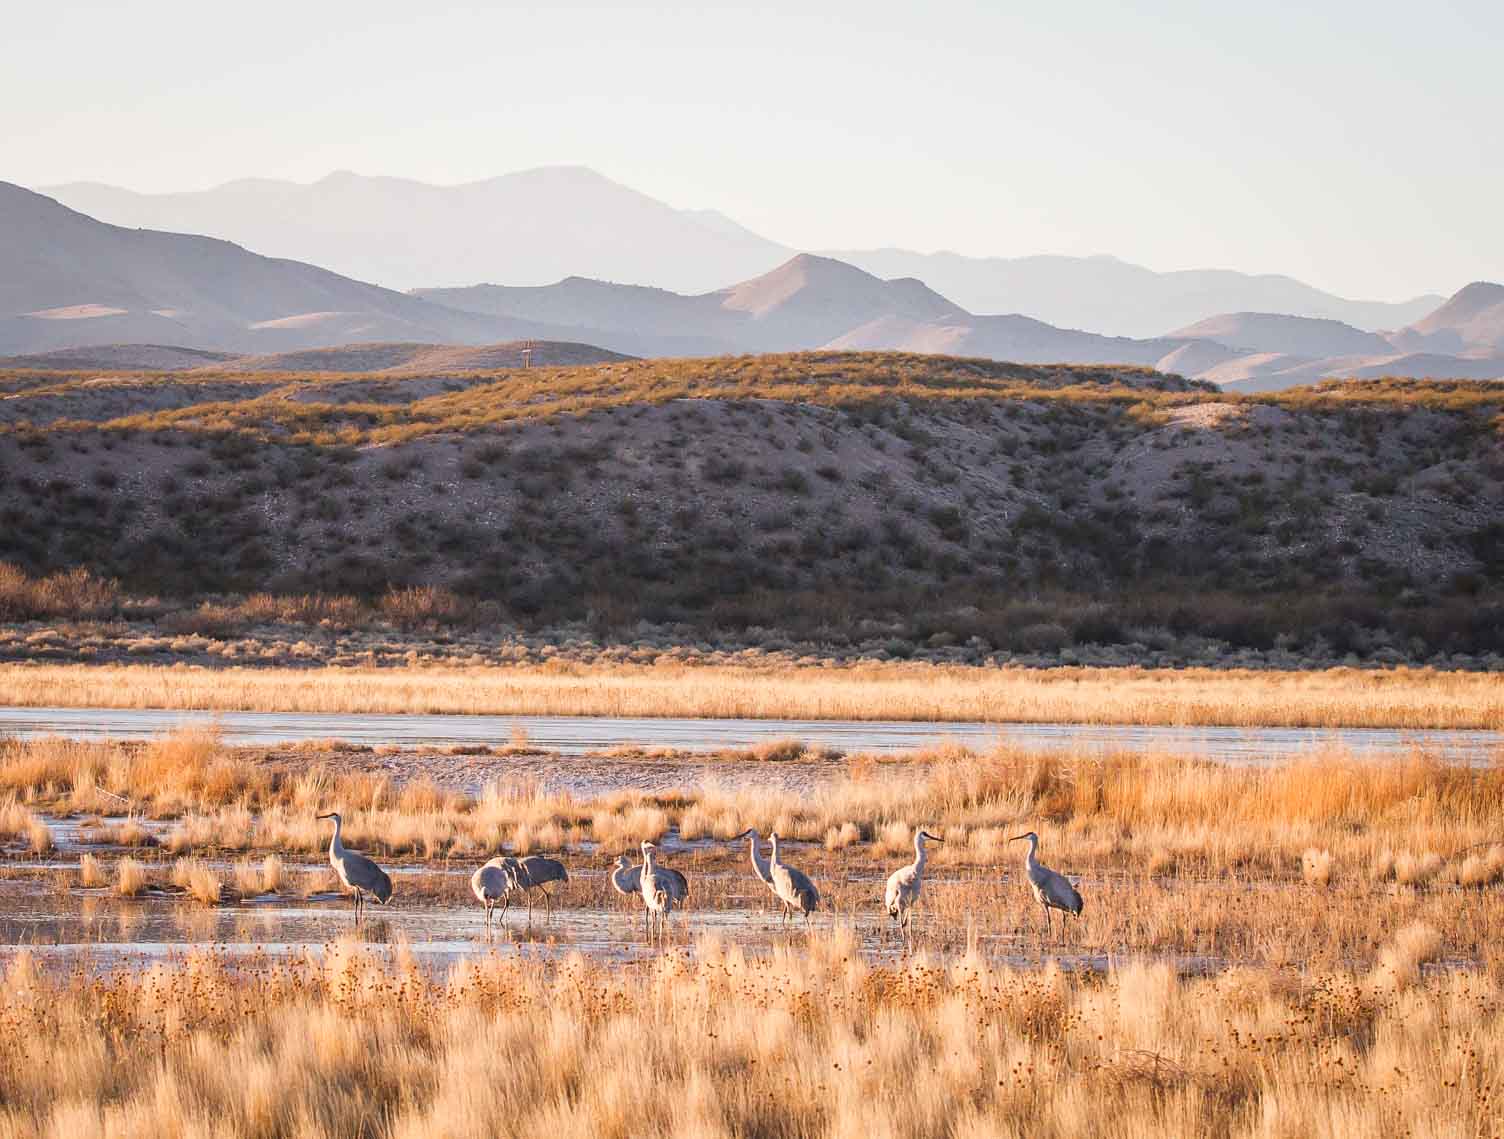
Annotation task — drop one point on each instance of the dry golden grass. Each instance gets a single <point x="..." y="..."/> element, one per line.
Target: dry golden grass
<point x="18" y="822"/>
<point x="1390" y="698"/>
<point x="1324" y="816"/>
<point x="197" y="880"/>
<point x="360" y="1043"/>
<point x="90" y="873"/>
<point x="130" y="878"/>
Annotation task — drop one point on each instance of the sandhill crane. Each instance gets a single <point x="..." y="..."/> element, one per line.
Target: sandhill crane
<point x="626" y="880"/>
<point x="792" y="887"/>
<point x="531" y="873"/>
<point x="658" y="890"/>
<point x="759" y="863"/>
<point x="359" y="874"/>
<point x="1051" y="890"/>
<point x="492" y="883"/>
<point x="905" y="883"/>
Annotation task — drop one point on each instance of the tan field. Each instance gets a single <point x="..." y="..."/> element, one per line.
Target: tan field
<point x="1388" y="698"/>
<point x="717" y="1044"/>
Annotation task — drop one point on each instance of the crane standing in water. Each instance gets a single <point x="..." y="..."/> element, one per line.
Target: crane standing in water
<point x="626" y="880"/>
<point x="358" y="873"/>
<point x="1052" y="890"/>
<point x="792" y="887"/>
<point x="905" y="883"/>
<point x="658" y="890"/>
<point x="533" y="873"/>
<point x="492" y="883"/>
<point x="759" y="863"/>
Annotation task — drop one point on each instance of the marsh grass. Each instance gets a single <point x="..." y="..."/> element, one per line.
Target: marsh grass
<point x="90" y="873"/>
<point x="130" y="878"/>
<point x="808" y="1043"/>
<point x="1403" y="698"/>
<point x="198" y="881"/>
<point x="1323" y="816"/>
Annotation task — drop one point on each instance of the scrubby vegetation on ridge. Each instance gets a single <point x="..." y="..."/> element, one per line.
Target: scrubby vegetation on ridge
<point x="1029" y="508"/>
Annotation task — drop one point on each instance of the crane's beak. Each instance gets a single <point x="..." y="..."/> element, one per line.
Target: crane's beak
<point x="744" y="834"/>
<point x="1018" y="838"/>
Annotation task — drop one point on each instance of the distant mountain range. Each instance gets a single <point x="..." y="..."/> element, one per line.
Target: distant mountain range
<point x="533" y="227"/>
<point x="819" y="302"/>
<point x="1121" y="299"/>
<point x="69" y="281"/>
<point x="540" y="226"/>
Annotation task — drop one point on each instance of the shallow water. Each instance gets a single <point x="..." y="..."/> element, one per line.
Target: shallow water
<point x="580" y="735"/>
<point x="95" y="926"/>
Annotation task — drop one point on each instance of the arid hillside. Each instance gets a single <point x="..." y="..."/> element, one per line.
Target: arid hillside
<point x="929" y="499"/>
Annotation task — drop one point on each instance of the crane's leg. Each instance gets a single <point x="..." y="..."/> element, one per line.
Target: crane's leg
<point x="548" y="902"/>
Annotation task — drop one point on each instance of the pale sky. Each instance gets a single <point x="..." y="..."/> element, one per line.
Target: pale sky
<point x="1356" y="145"/>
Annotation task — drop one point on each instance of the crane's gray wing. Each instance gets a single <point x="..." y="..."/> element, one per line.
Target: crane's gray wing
<point x="677" y="883"/>
<point x="536" y="870"/>
<point x="362" y="872"/>
<point x="803" y="887"/>
<point x="1063" y="895"/>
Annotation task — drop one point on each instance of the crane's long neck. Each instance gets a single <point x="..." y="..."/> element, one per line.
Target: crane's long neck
<point x="919" y="853"/>
<point x="335" y="845"/>
<point x="773" y="861"/>
<point x="647" y="862"/>
<point x="759" y="863"/>
<point x="1029" y="860"/>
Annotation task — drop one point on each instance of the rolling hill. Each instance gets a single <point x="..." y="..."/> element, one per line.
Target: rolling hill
<point x="119" y="358"/>
<point x="806" y="302"/>
<point x="430" y="359"/>
<point x="1269" y="351"/>
<point x="1470" y="323"/>
<point x="922" y="499"/>
<point x="1295" y="335"/>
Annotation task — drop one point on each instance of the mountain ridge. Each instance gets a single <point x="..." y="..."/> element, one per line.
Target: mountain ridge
<point x="75" y="281"/>
<point x="70" y="280"/>
<point x="535" y="227"/>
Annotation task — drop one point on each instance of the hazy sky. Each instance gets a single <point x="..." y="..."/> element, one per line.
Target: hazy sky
<point x="1353" y="144"/>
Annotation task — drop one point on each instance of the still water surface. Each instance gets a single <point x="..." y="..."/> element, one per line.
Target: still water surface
<point x="579" y="735"/>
